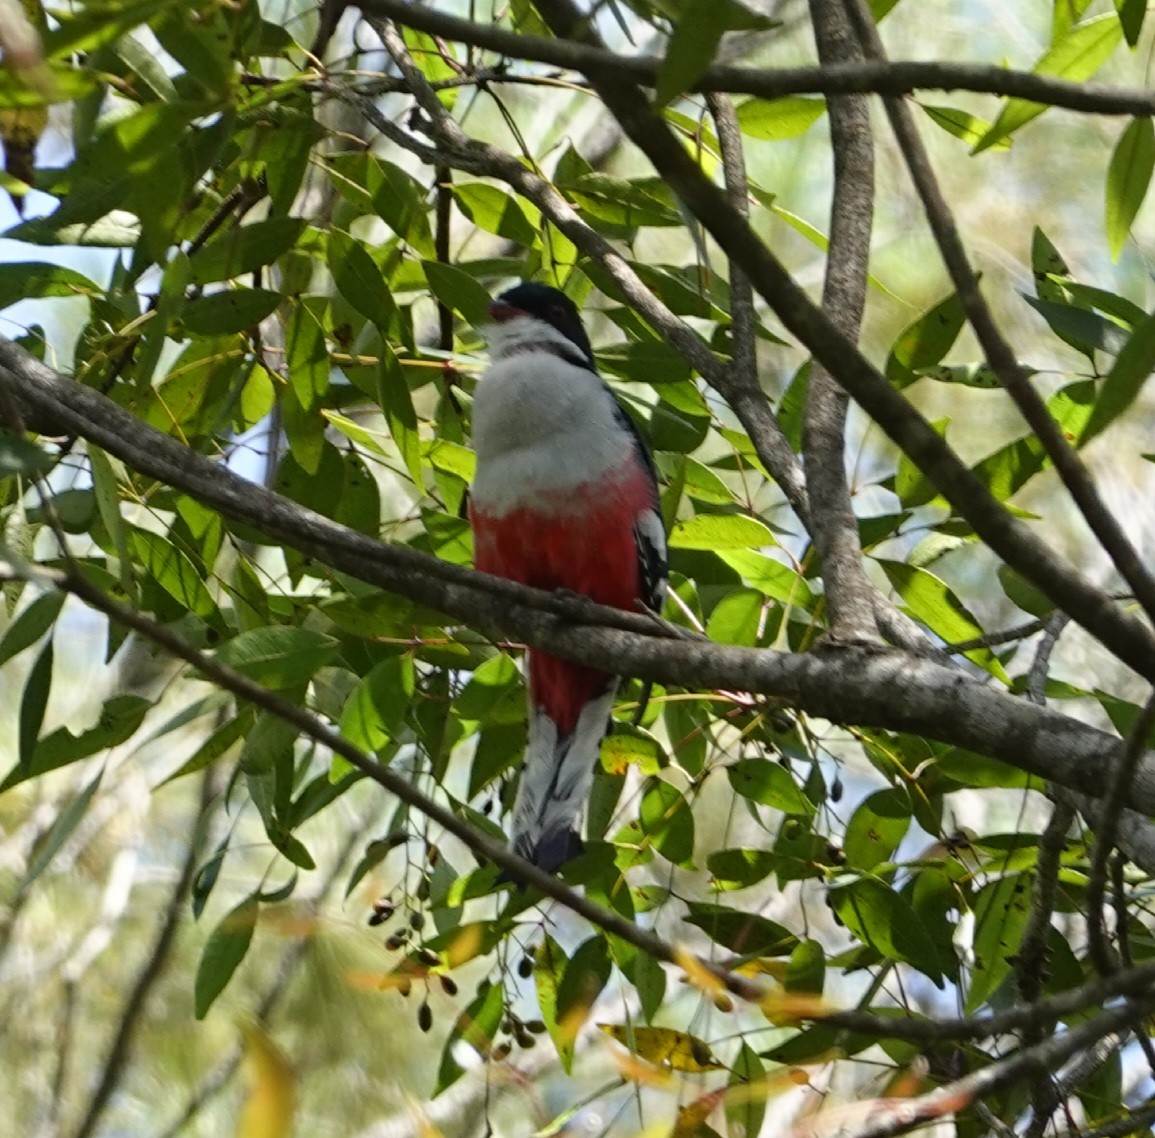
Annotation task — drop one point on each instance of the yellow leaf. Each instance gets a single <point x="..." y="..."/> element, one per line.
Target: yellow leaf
<point x="268" y="1110"/>
<point x="665" y="1047"/>
<point x="697" y="972"/>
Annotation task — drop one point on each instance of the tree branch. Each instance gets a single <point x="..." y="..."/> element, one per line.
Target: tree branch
<point x="833" y="524"/>
<point x="896" y="78"/>
<point x="1015" y="542"/>
<point x="878" y="688"/>
<point x="999" y="353"/>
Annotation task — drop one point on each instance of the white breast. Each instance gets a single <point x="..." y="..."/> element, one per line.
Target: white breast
<point x="541" y="428"/>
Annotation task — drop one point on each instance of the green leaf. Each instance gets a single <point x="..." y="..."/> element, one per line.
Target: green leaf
<point x="306" y="351"/>
<point x="119" y="718"/>
<point x="477" y="1025"/>
<point x="739" y="868"/>
<point x="217" y="744"/>
<point x="747" y="934"/>
<point x="932" y="601"/>
<point x="1001" y="911"/>
<point x="885" y="920"/>
<point x="32" y="623"/>
<point x="359" y="280"/>
<point x="924" y="343"/>
<point x="549" y="966"/>
<point x="665" y="817"/>
<point x="376" y="708"/>
<point x="1131" y="13"/>
<point x="278" y="657"/>
<point x="33" y="703"/>
<point x="1075" y="57"/>
<point x="970" y="128"/>
<point x="720" y="531"/>
<point x="244" y="249"/>
<point x="20" y="456"/>
<point x="396" y="402"/>
<point x="586" y="974"/>
<point x="773" y="119"/>
<point x="771" y="578"/>
<point x="492" y="209"/>
<point x="1124" y="381"/>
<point x="807" y="969"/>
<point x="230" y="310"/>
<point x="223" y="952"/>
<point x="458" y="291"/>
<point x="173" y="571"/>
<point x="770" y="784"/>
<point x="736" y="617"/>
<point x="876" y="828"/>
<point x="691" y="48"/>
<point x="1128" y="177"/>
<point x="24" y="280"/>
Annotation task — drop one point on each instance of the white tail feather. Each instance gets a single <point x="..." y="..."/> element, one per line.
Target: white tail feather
<point x="555" y="783"/>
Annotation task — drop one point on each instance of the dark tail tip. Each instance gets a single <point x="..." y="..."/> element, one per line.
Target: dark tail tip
<point x="549" y="855"/>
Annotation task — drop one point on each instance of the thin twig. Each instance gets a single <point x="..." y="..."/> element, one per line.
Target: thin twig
<point x="1133" y="750"/>
<point x="150" y="973"/>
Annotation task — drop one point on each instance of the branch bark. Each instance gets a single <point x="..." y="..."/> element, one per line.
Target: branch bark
<point x="876" y="688"/>
<point x="833" y="524"/>
<point x="896" y="78"/>
<point x="1015" y="542"/>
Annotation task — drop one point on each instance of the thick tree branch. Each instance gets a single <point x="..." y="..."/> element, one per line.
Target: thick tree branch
<point x="1009" y="537"/>
<point x="833" y="524"/>
<point x="875" y="688"/>
<point x="896" y="78"/>
<point x="999" y="353"/>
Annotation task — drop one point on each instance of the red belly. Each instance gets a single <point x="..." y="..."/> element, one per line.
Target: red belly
<point x="584" y="543"/>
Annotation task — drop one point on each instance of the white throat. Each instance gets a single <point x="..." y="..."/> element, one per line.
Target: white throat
<point x="542" y="426"/>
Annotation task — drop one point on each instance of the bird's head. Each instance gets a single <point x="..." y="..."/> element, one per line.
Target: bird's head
<point x="519" y="314"/>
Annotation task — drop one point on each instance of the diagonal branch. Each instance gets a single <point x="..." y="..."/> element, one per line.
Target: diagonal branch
<point x="998" y="351"/>
<point x="887" y="689"/>
<point x="835" y="528"/>
<point x="1009" y="537"/>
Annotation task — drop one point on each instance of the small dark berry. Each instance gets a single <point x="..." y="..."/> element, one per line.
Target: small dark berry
<point x="422" y="891"/>
<point x="417" y="921"/>
<point x="425" y="1017"/>
<point x="525" y="1040"/>
<point x="448" y="985"/>
<point x="395" y="942"/>
<point x="405" y="985"/>
<point x="536" y="1026"/>
<point x="501" y="1051"/>
<point x="525" y="967"/>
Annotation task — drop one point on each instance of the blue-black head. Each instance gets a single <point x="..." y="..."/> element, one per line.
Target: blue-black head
<point x="544" y="303"/>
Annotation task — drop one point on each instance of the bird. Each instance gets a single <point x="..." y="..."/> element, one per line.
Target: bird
<point x="564" y="498"/>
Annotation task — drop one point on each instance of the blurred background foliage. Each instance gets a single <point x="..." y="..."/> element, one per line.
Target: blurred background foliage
<point x="215" y="240"/>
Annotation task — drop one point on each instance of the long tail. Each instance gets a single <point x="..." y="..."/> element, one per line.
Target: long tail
<point x="555" y="784"/>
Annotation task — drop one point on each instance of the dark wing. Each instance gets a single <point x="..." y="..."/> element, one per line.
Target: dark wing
<point x="649" y="532"/>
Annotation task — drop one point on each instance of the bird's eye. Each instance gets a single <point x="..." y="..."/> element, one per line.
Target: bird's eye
<point x="557" y="312"/>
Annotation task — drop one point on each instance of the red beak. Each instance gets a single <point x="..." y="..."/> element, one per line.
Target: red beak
<point x="501" y="311"/>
